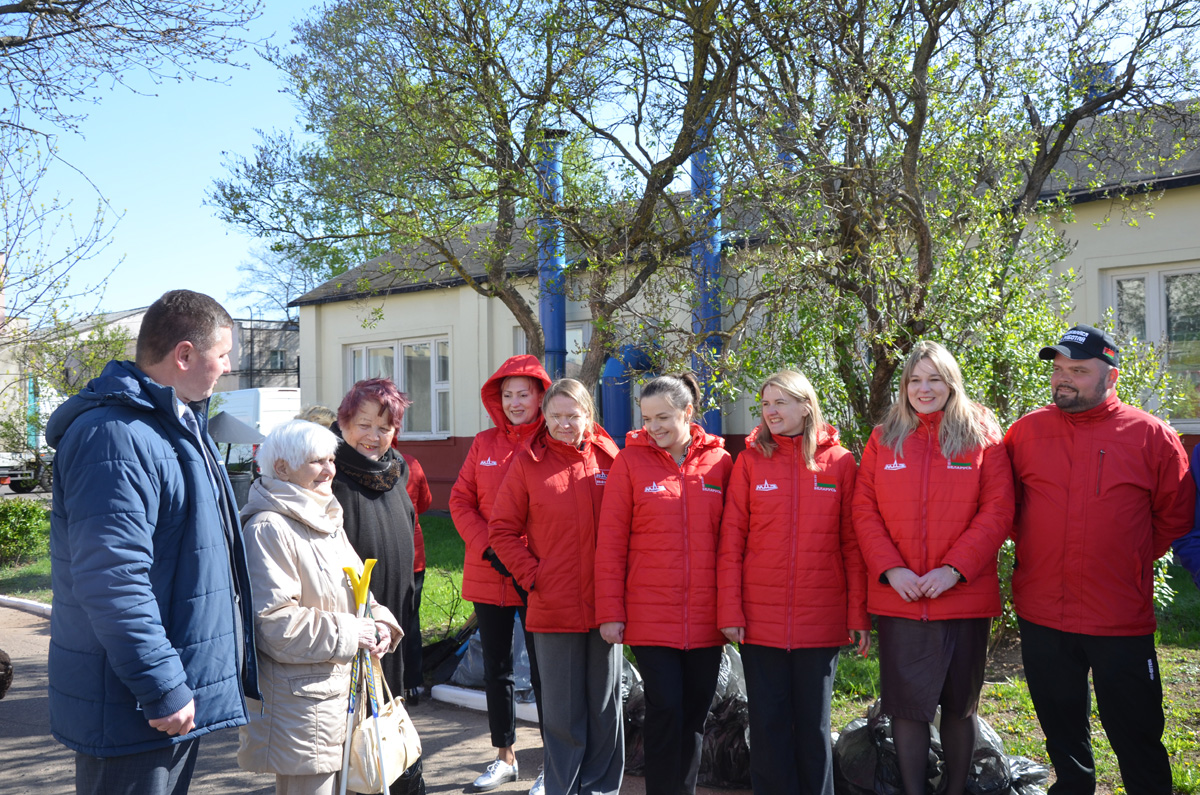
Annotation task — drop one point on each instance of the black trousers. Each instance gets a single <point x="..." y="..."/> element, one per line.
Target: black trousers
<point x="414" y="674"/>
<point x="496" y="638"/>
<point x="1128" y="695"/>
<point x="679" y="686"/>
<point x="789" y="694"/>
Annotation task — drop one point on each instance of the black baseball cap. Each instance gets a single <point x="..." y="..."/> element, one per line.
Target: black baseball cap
<point x="1084" y="342"/>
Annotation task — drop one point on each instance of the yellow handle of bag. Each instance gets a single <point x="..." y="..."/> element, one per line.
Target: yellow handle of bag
<point x="361" y="584"/>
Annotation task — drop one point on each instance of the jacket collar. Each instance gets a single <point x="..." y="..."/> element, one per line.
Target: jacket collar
<point x="1109" y="406"/>
<point x="321" y="513"/>
<point x="701" y="440"/>
<point x="542" y="443"/>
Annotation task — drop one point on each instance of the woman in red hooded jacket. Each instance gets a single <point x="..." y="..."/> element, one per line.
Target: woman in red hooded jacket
<point x="934" y="503"/>
<point x="543" y="528"/>
<point x="656" y="573"/>
<point x="513" y="399"/>
<point x="791" y="583"/>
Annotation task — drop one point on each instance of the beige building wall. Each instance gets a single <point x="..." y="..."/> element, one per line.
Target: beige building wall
<point x="482" y="333"/>
<point x="1142" y="259"/>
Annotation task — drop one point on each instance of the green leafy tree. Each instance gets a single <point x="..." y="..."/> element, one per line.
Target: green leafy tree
<point x="425" y="120"/>
<point x="910" y="164"/>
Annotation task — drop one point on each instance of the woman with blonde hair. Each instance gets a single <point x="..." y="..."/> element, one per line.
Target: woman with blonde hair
<point x="543" y="528"/>
<point x="791" y="584"/>
<point x="933" y="505"/>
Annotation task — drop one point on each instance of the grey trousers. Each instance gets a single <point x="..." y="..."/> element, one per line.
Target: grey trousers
<point x="166" y="771"/>
<point x="582" y="722"/>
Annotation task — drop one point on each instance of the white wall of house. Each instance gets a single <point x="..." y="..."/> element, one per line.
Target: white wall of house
<point x="480" y="333"/>
<point x="1142" y="259"/>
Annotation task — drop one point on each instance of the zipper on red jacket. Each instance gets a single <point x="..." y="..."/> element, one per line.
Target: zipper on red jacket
<point x="793" y="530"/>
<point x="925" y="514"/>
<point x="687" y="559"/>
<point x="1099" y="472"/>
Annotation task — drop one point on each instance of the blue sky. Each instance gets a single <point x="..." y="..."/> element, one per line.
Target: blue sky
<point x="155" y="157"/>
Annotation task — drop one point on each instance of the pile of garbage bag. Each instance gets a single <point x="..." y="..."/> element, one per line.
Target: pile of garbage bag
<point x="864" y="762"/>
<point x="725" y="759"/>
<point x="469" y="672"/>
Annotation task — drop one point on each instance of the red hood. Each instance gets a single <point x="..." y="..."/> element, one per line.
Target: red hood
<point x="701" y="439"/>
<point x="525" y="365"/>
<point x="828" y="437"/>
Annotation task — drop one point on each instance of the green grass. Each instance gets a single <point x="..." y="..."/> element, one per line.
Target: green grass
<point x="30" y="578"/>
<point x="442" y="607"/>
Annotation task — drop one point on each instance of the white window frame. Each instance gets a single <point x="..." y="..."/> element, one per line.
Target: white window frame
<point x="437" y="387"/>
<point x="1156" y="308"/>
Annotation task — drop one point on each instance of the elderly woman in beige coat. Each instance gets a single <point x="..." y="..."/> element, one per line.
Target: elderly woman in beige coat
<point x="307" y="629"/>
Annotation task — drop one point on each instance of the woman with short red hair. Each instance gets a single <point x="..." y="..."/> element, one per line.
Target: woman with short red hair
<point x="371" y="484"/>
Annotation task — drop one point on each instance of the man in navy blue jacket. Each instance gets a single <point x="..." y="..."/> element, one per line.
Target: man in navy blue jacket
<point x="151" y="634"/>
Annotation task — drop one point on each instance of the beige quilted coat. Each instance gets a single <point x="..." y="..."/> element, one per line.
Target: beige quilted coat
<point x="306" y="630"/>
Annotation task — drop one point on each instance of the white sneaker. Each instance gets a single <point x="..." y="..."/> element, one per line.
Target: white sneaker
<point x="539" y="784"/>
<point x="497" y="773"/>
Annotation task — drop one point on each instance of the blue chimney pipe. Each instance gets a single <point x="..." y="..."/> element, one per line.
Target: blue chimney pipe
<point x="706" y="264"/>
<point x="552" y="258"/>
<point x="616" y="392"/>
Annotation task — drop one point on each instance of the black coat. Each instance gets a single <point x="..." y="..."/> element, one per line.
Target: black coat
<point x="379" y="520"/>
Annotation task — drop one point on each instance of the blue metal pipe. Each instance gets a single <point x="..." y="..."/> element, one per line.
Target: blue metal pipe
<point x="616" y="391"/>
<point x="552" y="258"/>
<point x="706" y="265"/>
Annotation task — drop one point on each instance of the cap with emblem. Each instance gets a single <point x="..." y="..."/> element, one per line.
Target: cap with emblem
<point x="1084" y="342"/>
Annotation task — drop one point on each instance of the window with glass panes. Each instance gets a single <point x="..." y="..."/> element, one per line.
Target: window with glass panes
<point x="421" y="368"/>
<point x="1161" y="305"/>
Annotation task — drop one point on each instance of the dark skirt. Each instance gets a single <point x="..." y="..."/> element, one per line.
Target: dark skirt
<point x="926" y="663"/>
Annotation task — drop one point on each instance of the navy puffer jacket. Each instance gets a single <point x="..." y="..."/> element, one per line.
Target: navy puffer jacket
<point x="141" y="562"/>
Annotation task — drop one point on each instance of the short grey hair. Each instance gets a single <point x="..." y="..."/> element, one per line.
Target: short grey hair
<point x="295" y="442"/>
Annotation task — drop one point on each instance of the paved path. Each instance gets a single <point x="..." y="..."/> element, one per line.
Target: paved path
<point x="455" y="740"/>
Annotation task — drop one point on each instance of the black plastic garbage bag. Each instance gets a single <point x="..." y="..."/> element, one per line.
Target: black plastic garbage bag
<point x="469" y="672"/>
<point x="725" y="758"/>
<point x="865" y="763"/>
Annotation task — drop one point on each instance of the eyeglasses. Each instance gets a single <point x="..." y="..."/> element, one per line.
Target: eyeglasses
<point x="566" y="419"/>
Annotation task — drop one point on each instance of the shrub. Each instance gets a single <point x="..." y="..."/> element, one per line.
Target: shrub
<point x="23" y="530"/>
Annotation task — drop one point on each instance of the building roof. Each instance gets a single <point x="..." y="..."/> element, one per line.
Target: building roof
<point x="423" y="267"/>
<point x="1126" y="169"/>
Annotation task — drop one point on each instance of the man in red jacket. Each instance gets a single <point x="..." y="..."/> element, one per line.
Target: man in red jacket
<point x="1102" y="489"/>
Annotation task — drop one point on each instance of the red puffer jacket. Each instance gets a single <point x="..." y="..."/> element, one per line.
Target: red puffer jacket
<point x="656" y="556"/>
<point x="789" y="570"/>
<point x="552" y="496"/>
<point x="479" y="481"/>
<point x="922" y="511"/>
<point x="1100" y="496"/>
<point x="422" y="498"/>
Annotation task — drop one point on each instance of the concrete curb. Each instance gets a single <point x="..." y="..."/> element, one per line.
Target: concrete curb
<point x="26" y="605"/>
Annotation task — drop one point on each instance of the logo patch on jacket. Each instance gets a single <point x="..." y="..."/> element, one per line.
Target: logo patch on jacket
<point x="766" y="486"/>
<point x="715" y="488"/>
<point x="958" y="465"/>
<point x="654" y="488"/>
<point x="488" y="462"/>
<point x="819" y="486"/>
<point x="895" y="465"/>
<point x="601" y="477"/>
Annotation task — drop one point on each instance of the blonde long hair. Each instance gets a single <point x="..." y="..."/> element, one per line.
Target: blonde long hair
<point x="966" y="425"/>
<point x="795" y="384"/>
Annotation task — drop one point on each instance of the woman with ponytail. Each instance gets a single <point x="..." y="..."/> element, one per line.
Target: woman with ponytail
<point x="933" y="505"/>
<point x="791" y="583"/>
<point x="656" y="573"/>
